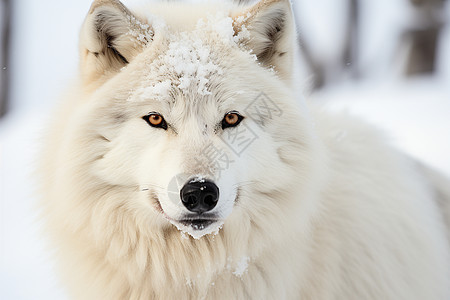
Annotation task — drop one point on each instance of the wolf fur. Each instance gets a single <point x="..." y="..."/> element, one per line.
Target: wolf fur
<point x="319" y="206"/>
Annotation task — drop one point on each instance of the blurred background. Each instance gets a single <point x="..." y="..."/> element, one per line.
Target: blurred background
<point x="385" y="60"/>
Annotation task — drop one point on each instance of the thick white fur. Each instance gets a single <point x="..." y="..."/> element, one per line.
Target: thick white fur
<point x="326" y="208"/>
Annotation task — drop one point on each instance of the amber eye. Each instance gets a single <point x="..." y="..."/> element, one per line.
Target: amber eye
<point x="231" y="119"/>
<point x="154" y="119"/>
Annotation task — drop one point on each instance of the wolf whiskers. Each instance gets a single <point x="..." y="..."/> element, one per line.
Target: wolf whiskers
<point x="146" y="187"/>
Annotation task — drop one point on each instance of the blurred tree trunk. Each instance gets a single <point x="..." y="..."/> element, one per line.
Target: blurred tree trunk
<point x="5" y="26"/>
<point x="315" y="66"/>
<point x="350" y="53"/>
<point x="423" y="38"/>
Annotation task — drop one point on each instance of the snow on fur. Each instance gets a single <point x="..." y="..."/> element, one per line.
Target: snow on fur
<point x="242" y="266"/>
<point x="140" y="31"/>
<point x="189" y="59"/>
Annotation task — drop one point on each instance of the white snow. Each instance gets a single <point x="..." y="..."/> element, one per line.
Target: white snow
<point x="241" y="266"/>
<point x="142" y="32"/>
<point x="413" y="113"/>
<point x="188" y="59"/>
<point x="159" y="91"/>
<point x="188" y="282"/>
<point x="199" y="178"/>
<point x="26" y="269"/>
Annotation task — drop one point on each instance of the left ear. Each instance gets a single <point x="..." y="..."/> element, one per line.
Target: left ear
<point x="272" y="34"/>
<point x="110" y="38"/>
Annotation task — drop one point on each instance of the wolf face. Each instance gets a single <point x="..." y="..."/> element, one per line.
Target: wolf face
<point x="185" y="120"/>
<point x="192" y="116"/>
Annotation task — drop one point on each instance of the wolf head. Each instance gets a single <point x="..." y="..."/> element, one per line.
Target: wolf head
<point x="192" y="110"/>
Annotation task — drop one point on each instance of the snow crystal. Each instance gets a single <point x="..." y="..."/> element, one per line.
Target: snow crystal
<point x="242" y="35"/>
<point x="199" y="179"/>
<point x="242" y="266"/>
<point x="242" y="19"/>
<point x="140" y="31"/>
<point x="198" y="226"/>
<point x="188" y="282"/>
<point x="229" y="261"/>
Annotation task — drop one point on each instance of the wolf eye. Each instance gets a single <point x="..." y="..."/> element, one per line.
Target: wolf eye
<point x="154" y="119"/>
<point x="231" y="119"/>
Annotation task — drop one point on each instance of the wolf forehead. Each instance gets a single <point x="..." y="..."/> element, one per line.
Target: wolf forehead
<point x="187" y="63"/>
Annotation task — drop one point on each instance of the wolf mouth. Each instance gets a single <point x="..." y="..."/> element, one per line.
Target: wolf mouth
<point x="198" y="224"/>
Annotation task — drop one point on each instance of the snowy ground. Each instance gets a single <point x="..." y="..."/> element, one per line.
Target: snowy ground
<point x="415" y="113"/>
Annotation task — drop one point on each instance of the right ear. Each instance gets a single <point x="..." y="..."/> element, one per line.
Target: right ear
<point x="272" y="36"/>
<point x="111" y="37"/>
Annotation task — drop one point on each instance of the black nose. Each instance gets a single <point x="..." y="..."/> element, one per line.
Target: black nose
<point x="199" y="196"/>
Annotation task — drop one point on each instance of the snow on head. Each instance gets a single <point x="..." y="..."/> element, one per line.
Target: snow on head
<point x="191" y="61"/>
<point x="188" y="63"/>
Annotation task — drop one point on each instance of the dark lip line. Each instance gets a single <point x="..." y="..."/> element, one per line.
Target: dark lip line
<point x="199" y="219"/>
<point x="187" y="222"/>
<point x="197" y="222"/>
<point x="210" y="217"/>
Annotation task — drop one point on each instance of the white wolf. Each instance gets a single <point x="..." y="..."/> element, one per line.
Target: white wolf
<point x="182" y="167"/>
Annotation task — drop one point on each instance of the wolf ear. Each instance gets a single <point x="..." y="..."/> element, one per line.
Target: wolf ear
<point x="272" y="34"/>
<point x="110" y="38"/>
